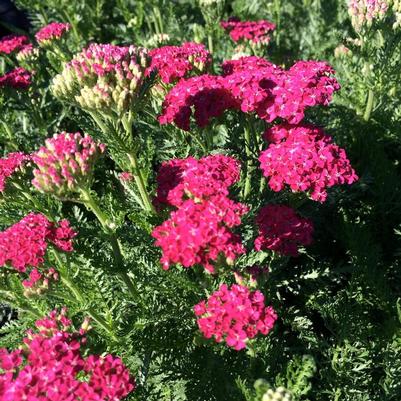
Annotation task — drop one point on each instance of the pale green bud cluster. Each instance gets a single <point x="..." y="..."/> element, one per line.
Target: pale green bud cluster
<point x="103" y="78"/>
<point x="280" y="394"/>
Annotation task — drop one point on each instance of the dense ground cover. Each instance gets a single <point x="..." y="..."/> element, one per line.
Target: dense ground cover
<point x="201" y="200"/>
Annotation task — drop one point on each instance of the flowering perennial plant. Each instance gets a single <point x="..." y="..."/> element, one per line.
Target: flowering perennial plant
<point x="251" y="85"/>
<point x="12" y="43"/>
<point x="304" y="158"/>
<point x="11" y="164"/>
<point x="19" y="78"/>
<point x="254" y="31"/>
<point x="25" y="243"/>
<point x="65" y="163"/>
<point x="282" y="230"/>
<point x="50" y="365"/>
<point x="51" y="32"/>
<point x="103" y="77"/>
<point x="198" y="233"/>
<point x="234" y="315"/>
<point x="175" y="62"/>
<point x="179" y="179"/>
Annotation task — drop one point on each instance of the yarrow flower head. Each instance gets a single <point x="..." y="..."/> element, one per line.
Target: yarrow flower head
<point x="180" y="179"/>
<point x="274" y="93"/>
<point x="65" y="164"/>
<point x="51" y="32"/>
<point x="10" y="165"/>
<point x="206" y="94"/>
<point x="175" y="62"/>
<point x="282" y="230"/>
<point x="252" y="85"/>
<point x="50" y="365"/>
<point x="25" y="243"/>
<point x="246" y="63"/>
<point x="365" y="12"/>
<point x="19" y="78"/>
<point x="304" y="158"/>
<point x="234" y="315"/>
<point x="199" y="233"/>
<point x="103" y="77"/>
<point x="12" y="43"/>
<point x="253" y="31"/>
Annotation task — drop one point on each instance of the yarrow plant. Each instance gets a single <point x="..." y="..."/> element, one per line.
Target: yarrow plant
<point x="65" y="164"/>
<point x="282" y="230"/>
<point x="51" y="32"/>
<point x="304" y="158"/>
<point x="174" y="62"/>
<point x="51" y="365"/>
<point x="234" y="315"/>
<point x="251" y="85"/>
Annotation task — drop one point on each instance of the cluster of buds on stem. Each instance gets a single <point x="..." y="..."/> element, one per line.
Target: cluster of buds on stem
<point x="280" y="394"/>
<point x="65" y="164"/>
<point x="103" y="78"/>
<point x="365" y="12"/>
<point x="39" y="283"/>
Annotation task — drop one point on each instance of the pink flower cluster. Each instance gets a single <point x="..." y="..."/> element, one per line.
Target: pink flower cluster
<point x="65" y="164"/>
<point x="234" y="315"/>
<point x="175" y="62"/>
<point x="366" y="11"/>
<point x="282" y="230"/>
<point x="305" y="159"/>
<point x="252" y="85"/>
<point x="103" y="59"/>
<point x="199" y="231"/>
<point x="51" y="366"/>
<point x="25" y="243"/>
<point x="10" y="165"/>
<point x="205" y="93"/>
<point x="103" y="77"/>
<point x="254" y="31"/>
<point x="180" y="179"/>
<point x="246" y="63"/>
<point x="52" y="31"/>
<point x="12" y="43"/>
<point x="18" y="78"/>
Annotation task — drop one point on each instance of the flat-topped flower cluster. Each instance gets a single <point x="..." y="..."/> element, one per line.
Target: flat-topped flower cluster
<point x="234" y="315"/>
<point x="51" y="365"/>
<point x="198" y="233"/>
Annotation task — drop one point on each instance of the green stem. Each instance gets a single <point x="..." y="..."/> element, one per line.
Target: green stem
<point x="140" y="182"/>
<point x="247" y="137"/>
<point x="92" y="205"/>
<point x="369" y="105"/>
<point x="210" y="42"/>
<point x="91" y="312"/>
